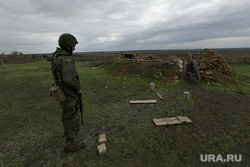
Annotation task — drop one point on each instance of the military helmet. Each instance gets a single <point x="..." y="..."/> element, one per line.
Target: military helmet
<point x="67" y="40"/>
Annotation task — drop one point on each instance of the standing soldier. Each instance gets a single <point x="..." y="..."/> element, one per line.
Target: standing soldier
<point x="65" y="76"/>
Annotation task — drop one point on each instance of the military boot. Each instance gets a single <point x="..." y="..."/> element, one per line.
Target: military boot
<point x="71" y="145"/>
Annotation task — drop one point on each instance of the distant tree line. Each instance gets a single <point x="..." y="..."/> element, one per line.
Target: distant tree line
<point x="14" y="53"/>
<point x="15" y="57"/>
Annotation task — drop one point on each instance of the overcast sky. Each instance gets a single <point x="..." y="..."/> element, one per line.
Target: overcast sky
<point x="31" y="26"/>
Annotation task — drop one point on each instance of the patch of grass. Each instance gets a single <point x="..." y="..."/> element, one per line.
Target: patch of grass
<point x="242" y="75"/>
<point x="110" y="87"/>
<point x="152" y="70"/>
<point x="219" y="118"/>
<point x="184" y="103"/>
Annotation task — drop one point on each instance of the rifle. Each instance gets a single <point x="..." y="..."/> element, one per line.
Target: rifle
<point x="79" y="102"/>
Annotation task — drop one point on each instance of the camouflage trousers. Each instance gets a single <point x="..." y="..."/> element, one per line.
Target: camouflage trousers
<point x="71" y="122"/>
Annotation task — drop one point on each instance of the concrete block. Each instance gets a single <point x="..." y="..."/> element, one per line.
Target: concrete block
<point x="102" y="138"/>
<point x="102" y="149"/>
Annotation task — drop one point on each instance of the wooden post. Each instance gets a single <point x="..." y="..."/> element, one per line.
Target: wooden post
<point x="196" y="69"/>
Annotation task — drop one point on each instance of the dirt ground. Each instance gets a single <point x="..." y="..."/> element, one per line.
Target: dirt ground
<point x="32" y="132"/>
<point x="220" y="125"/>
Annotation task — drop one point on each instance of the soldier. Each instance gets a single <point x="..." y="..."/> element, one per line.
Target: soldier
<point x="65" y="76"/>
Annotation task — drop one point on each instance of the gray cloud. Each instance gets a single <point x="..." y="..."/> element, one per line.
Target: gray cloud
<point x="102" y="25"/>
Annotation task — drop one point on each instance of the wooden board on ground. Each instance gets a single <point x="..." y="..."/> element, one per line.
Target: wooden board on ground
<point x="159" y="95"/>
<point x="142" y="101"/>
<point x="171" y="121"/>
<point x="166" y="121"/>
<point x="102" y="149"/>
<point x="184" y="119"/>
<point x="102" y="138"/>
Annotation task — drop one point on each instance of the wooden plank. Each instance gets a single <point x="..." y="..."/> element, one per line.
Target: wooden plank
<point x="172" y="121"/>
<point x="142" y="101"/>
<point x="160" y="122"/>
<point x="184" y="119"/>
<point x="102" y="149"/>
<point x="159" y="95"/>
<point x="102" y="138"/>
<point x="166" y="121"/>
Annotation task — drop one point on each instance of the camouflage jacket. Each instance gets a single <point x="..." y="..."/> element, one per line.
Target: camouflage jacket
<point x="65" y="75"/>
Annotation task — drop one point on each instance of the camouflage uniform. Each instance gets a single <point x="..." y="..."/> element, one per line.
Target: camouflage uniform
<point x="65" y="75"/>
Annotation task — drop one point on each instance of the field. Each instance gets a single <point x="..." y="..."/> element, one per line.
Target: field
<point x="32" y="132"/>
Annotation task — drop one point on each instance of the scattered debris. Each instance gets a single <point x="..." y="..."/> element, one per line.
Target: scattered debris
<point x="102" y="149"/>
<point x="170" y="58"/>
<point x="142" y="101"/>
<point x="172" y="121"/>
<point x="215" y="68"/>
<point x="102" y="138"/>
<point x="207" y="66"/>
<point x="137" y="56"/>
<point x="159" y="95"/>
<point x="180" y="64"/>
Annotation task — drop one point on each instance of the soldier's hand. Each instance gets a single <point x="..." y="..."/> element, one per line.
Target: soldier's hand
<point x="79" y="92"/>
